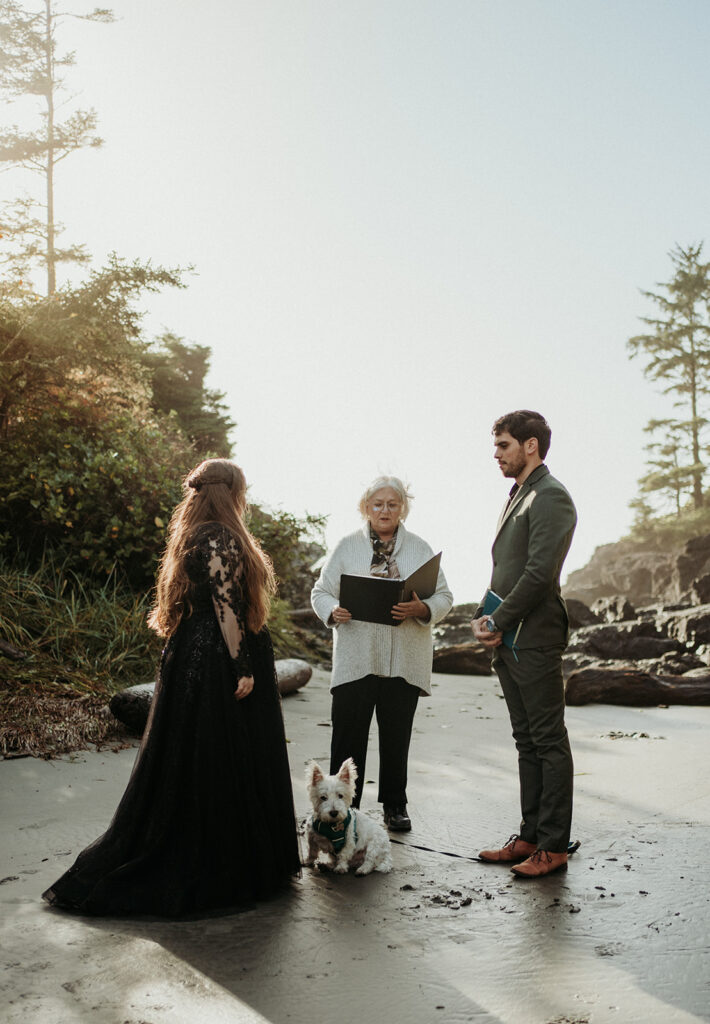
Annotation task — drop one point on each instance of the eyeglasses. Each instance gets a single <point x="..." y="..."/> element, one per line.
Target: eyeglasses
<point x="391" y="506"/>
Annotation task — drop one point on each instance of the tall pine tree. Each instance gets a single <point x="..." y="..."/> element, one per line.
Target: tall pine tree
<point x="676" y="351"/>
<point x="30" y="65"/>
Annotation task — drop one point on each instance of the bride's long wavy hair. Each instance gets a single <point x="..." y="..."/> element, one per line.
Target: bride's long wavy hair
<point x="215" y="492"/>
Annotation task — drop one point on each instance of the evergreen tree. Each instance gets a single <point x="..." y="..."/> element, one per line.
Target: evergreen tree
<point x="177" y="376"/>
<point x="677" y="354"/>
<point x="669" y="469"/>
<point x="30" y="65"/>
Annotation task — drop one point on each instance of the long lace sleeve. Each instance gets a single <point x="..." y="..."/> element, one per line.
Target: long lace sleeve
<point x="225" y="573"/>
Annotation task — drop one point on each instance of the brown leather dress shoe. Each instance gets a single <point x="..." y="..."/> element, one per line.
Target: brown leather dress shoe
<point x="542" y="862"/>
<point x="515" y="849"/>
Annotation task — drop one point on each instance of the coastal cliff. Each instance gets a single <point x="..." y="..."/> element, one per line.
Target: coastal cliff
<point x="678" y="574"/>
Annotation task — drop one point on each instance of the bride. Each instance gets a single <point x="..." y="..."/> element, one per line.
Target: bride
<point x="207" y="819"/>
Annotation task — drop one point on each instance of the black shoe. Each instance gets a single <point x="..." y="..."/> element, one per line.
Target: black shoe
<point x="397" y="819"/>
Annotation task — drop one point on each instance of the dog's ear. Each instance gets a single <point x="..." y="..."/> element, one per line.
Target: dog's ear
<point x="314" y="774"/>
<point x="348" y="772"/>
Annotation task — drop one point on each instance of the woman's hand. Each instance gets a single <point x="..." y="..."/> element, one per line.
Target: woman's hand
<point x="244" y="687"/>
<point x="339" y="615"/>
<point x="414" y="609"/>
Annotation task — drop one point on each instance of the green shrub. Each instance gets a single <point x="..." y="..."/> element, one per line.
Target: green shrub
<point x="95" y="485"/>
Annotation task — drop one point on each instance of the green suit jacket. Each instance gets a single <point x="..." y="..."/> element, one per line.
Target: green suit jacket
<point x="533" y="538"/>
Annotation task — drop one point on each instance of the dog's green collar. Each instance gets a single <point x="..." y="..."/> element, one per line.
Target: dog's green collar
<point x="333" y="833"/>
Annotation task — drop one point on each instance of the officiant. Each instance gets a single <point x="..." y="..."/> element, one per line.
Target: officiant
<point x="376" y="667"/>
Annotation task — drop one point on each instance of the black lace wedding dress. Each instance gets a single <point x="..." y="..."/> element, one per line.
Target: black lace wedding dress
<point x="207" y="819"/>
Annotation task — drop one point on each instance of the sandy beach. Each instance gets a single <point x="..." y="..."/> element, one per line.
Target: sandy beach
<point x="623" y="936"/>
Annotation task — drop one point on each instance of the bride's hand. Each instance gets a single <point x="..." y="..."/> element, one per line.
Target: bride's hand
<point x="244" y="687"/>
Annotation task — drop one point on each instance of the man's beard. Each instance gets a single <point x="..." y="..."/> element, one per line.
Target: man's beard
<point x="512" y="469"/>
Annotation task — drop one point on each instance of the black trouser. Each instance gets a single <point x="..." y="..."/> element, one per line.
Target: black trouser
<point x="394" y="702"/>
<point x="534" y="692"/>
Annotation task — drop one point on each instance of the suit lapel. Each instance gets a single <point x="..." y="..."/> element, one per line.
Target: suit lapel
<point x="519" y="496"/>
<point x="509" y="506"/>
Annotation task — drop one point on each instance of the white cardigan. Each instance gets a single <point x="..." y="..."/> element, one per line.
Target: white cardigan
<point x="369" y="648"/>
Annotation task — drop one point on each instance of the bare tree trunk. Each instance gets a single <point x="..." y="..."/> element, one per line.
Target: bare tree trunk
<point x="697" y="473"/>
<point x="51" y="267"/>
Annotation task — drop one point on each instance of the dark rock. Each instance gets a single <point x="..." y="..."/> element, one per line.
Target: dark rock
<point x="574" y="660"/>
<point x="637" y="639"/>
<point x="579" y="614"/>
<point x="614" y="609"/>
<point x="693" y="562"/>
<point x="700" y="589"/>
<point x="131" y="706"/>
<point x="645" y="575"/>
<point x="456" y="627"/>
<point x="690" y="626"/>
<point x="622" y="568"/>
<point x="677" y="663"/>
<point x="470" y="659"/>
<point x="634" y="688"/>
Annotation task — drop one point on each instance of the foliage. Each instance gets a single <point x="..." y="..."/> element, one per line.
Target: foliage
<point x="92" y="466"/>
<point x="670" y="473"/>
<point x="31" y="66"/>
<point x="81" y="643"/>
<point x="95" y="484"/>
<point x="294" y="545"/>
<point x="177" y="374"/>
<point x="677" y="354"/>
<point x="85" y="638"/>
<point x="89" y="469"/>
<point x="84" y="341"/>
<point x="670" y="532"/>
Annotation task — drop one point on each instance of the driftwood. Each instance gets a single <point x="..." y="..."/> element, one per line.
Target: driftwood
<point x="634" y="688"/>
<point x="305" y="617"/>
<point x="131" y="706"/>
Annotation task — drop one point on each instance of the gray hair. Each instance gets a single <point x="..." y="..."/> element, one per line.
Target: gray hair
<point x="405" y="496"/>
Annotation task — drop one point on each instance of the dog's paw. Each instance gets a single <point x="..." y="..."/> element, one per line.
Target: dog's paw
<point x="341" y="869"/>
<point x="362" y="870"/>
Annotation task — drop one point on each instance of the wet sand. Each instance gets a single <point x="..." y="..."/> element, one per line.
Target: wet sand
<point x="623" y="936"/>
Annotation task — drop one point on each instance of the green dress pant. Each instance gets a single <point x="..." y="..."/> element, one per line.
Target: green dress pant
<point x="534" y="692"/>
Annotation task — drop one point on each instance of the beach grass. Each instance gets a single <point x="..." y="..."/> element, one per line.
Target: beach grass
<point x="68" y="644"/>
<point x="67" y="647"/>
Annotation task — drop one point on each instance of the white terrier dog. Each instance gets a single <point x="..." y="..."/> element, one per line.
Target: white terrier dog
<point x="346" y="837"/>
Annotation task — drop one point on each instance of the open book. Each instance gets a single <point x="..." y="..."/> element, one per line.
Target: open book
<point x="371" y="598"/>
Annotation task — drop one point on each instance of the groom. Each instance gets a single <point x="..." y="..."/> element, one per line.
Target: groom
<point x="532" y="540"/>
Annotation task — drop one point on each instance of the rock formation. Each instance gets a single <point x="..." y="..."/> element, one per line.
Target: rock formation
<point x="643" y="575"/>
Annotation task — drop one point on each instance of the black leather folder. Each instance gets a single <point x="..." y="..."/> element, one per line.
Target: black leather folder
<point x="371" y="598"/>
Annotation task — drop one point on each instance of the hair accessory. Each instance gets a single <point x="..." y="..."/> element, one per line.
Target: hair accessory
<point x="195" y="484"/>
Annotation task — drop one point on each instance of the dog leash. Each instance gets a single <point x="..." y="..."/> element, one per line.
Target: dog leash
<point x="572" y="848"/>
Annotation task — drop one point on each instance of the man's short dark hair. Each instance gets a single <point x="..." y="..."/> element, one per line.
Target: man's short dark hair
<point x="524" y="424"/>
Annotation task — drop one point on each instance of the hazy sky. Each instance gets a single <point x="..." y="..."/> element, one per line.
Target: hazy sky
<point x="407" y="217"/>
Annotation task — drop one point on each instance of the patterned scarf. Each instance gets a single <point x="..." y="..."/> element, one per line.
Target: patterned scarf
<point x="383" y="563"/>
